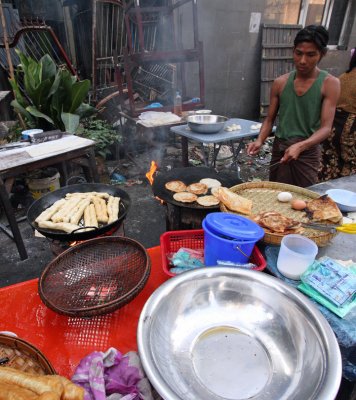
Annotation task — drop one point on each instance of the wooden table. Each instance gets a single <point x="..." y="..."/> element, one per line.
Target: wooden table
<point x="22" y="160"/>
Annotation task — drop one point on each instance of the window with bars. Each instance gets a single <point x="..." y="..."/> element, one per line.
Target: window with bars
<point x="336" y="15"/>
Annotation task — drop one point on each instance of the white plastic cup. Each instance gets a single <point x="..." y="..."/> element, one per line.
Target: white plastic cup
<point x="296" y="254"/>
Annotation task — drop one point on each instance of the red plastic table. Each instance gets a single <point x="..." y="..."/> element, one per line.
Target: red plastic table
<point x="66" y="340"/>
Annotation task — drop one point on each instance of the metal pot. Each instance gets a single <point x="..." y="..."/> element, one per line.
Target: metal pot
<point x="46" y="201"/>
<point x="227" y="333"/>
<point x="206" y="123"/>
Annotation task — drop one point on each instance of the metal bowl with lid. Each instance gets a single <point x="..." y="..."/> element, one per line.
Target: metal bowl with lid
<point x="206" y="123"/>
<point x="224" y="333"/>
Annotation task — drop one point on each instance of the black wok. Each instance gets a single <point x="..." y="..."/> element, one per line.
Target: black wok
<point x="189" y="175"/>
<point x="47" y="200"/>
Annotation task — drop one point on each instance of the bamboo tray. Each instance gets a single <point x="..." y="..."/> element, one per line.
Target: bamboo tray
<point x="24" y="356"/>
<point x="264" y="198"/>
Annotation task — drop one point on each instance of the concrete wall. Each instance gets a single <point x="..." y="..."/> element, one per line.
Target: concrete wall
<point x="233" y="55"/>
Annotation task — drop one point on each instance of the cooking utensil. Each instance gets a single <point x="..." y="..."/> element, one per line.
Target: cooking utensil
<point x="47" y="200"/>
<point x="346" y="228"/>
<point x="226" y="333"/>
<point x="95" y="277"/>
<point x="274" y="164"/>
<point x="206" y="123"/>
<point x="189" y="175"/>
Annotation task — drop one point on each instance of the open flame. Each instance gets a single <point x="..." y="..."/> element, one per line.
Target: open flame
<point x="150" y="177"/>
<point x="75" y="242"/>
<point x="152" y="171"/>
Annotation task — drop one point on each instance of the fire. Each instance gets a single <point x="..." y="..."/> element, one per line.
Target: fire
<point x="151" y="172"/>
<point x="72" y="244"/>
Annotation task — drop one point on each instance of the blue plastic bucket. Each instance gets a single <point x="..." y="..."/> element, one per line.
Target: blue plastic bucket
<point x="229" y="238"/>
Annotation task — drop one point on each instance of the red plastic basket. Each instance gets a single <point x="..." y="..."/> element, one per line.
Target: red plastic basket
<point x="172" y="241"/>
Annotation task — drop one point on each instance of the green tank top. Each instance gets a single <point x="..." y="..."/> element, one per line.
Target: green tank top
<point x="299" y="116"/>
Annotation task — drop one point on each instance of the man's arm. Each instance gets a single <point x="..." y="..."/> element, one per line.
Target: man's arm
<point x="254" y="147"/>
<point x="331" y="93"/>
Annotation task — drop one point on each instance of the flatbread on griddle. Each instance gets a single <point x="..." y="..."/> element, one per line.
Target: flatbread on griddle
<point x="208" y="201"/>
<point x="210" y="182"/>
<point x="176" y="186"/>
<point x="233" y="201"/>
<point x="324" y="209"/>
<point x="197" y="188"/>
<point x="214" y="191"/>
<point x="185" y="197"/>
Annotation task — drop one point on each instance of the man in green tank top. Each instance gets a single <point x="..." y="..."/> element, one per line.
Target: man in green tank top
<point x="306" y="100"/>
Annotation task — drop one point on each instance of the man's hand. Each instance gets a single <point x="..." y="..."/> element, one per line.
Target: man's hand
<point x="292" y="153"/>
<point x="254" y="147"/>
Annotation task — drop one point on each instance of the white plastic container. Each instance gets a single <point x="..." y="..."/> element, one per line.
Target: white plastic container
<point x="296" y="254"/>
<point x="25" y="135"/>
<point x="40" y="186"/>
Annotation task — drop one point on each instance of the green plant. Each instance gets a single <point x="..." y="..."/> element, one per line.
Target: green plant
<point x="14" y="133"/>
<point x="52" y="97"/>
<point x="101" y="132"/>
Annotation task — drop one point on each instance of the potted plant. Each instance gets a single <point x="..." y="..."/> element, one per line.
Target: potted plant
<point x="51" y="98"/>
<point x="102" y="133"/>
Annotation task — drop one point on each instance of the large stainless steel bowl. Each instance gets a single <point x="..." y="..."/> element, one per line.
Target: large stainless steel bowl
<point x="222" y="333"/>
<point x="206" y="123"/>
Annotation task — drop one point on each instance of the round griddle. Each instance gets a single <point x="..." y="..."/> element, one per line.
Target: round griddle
<point x="47" y="200"/>
<point x="189" y="175"/>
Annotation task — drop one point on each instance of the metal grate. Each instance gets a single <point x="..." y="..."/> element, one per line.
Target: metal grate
<point x="95" y="277"/>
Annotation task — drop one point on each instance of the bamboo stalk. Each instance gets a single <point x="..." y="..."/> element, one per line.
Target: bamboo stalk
<point x="8" y="56"/>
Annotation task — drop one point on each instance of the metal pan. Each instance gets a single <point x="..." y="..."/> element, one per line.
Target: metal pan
<point x="47" y="200"/>
<point x="189" y="175"/>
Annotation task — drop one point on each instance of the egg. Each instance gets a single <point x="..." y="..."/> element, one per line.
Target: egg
<point x="298" y="204"/>
<point x="284" y="197"/>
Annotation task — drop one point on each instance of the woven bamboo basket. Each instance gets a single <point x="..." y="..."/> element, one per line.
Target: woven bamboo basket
<point x="95" y="277"/>
<point x="23" y="356"/>
<point x="264" y="198"/>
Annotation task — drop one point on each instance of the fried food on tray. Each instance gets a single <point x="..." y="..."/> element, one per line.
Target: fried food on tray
<point x="208" y="201"/>
<point x="210" y="182"/>
<point x="185" y="197"/>
<point x="324" y="209"/>
<point x="88" y="194"/>
<point x="18" y="385"/>
<point x="49" y="212"/>
<point x="197" y="188"/>
<point x="176" y="186"/>
<point x="100" y="209"/>
<point x="58" y="226"/>
<point x="91" y="207"/>
<point x="233" y="201"/>
<point x="90" y="216"/>
<point x="64" y="213"/>
<point x="79" y="211"/>
<point x="113" y="208"/>
<point x="278" y="223"/>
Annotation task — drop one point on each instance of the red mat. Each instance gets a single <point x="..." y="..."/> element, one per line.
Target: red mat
<point x="66" y="340"/>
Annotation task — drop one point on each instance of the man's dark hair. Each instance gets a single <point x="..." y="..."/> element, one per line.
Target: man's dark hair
<point x="315" y="34"/>
<point x="352" y="61"/>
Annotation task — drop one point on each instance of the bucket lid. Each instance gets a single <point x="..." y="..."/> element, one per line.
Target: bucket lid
<point x="234" y="226"/>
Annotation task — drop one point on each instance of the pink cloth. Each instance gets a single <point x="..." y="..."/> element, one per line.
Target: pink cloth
<point x="112" y="376"/>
